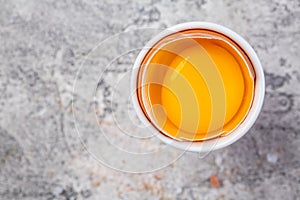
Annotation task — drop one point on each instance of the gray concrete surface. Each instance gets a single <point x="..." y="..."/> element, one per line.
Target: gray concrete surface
<point x="42" y="44"/>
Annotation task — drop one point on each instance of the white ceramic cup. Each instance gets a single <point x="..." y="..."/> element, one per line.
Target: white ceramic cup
<point x="243" y="127"/>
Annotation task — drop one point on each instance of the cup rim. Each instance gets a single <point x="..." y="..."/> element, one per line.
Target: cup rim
<point x="243" y="127"/>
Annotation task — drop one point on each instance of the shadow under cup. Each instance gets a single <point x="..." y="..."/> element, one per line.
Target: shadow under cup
<point x="195" y="85"/>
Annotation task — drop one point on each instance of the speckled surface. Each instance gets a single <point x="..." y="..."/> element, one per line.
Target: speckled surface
<point x="42" y="44"/>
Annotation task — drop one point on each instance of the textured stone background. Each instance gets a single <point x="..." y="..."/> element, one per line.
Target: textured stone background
<point x="41" y="157"/>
